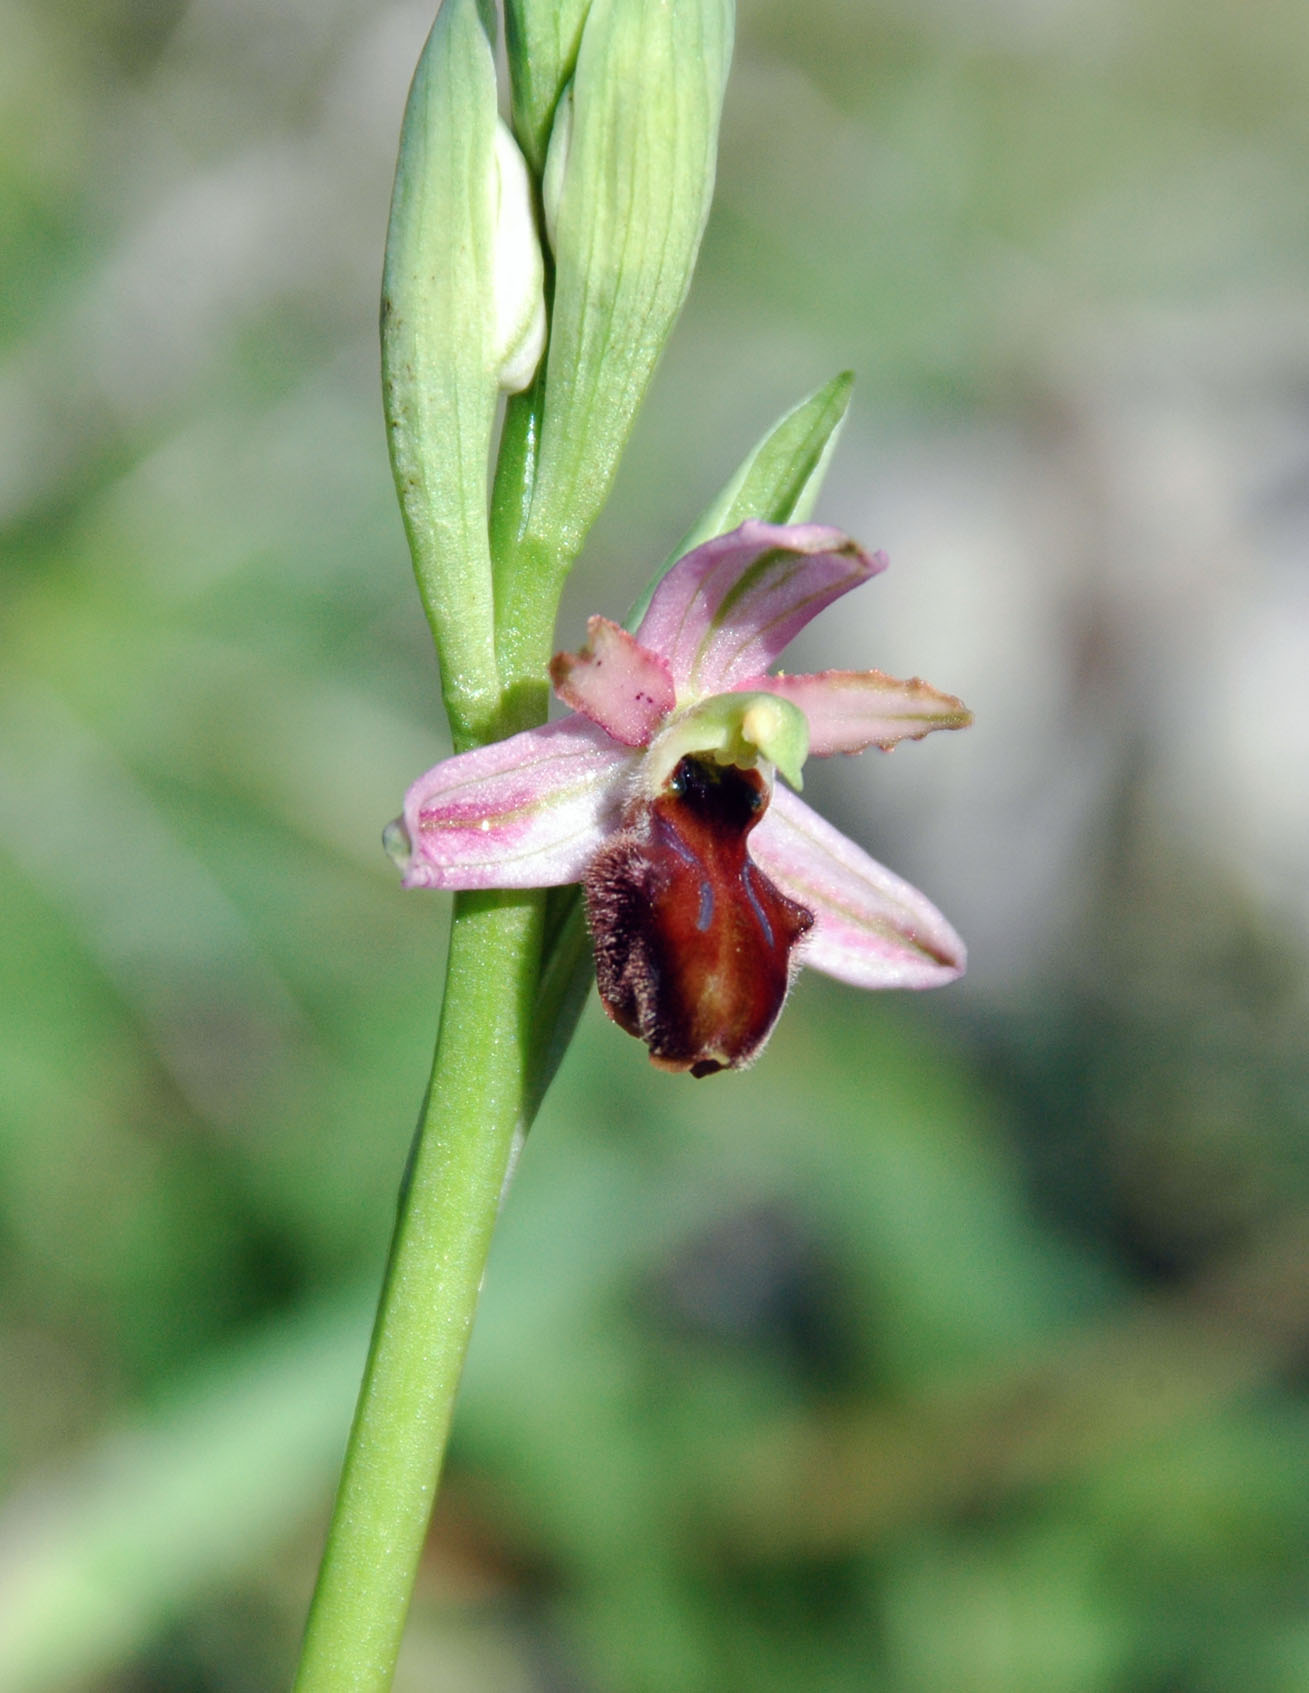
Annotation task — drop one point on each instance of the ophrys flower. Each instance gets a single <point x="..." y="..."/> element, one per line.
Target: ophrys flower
<point x="706" y="879"/>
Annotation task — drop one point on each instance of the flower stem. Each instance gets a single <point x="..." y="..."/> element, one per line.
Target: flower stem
<point x="476" y="1102"/>
<point x="497" y="1047"/>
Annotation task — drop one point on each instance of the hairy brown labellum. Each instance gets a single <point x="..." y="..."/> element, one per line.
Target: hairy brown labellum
<point x="692" y="941"/>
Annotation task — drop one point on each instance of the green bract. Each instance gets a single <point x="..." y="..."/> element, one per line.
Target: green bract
<point x="783" y="476"/>
<point x="780" y="480"/>
<point x="627" y="185"/>
<point x="462" y="317"/>
<point x="541" y="38"/>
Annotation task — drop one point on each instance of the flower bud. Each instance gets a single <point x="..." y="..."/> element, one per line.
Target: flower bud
<point x="519" y="274"/>
<point x="463" y="316"/>
<point x="629" y="177"/>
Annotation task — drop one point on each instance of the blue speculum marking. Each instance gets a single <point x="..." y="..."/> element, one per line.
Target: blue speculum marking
<point x="669" y="837"/>
<point x="705" y="916"/>
<point x="747" y="882"/>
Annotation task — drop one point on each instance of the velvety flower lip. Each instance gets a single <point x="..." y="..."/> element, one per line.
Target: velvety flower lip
<point x="695" y="682"/>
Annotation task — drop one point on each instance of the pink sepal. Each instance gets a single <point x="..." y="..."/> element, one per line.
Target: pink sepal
<point x="849" y="710"/>
<point x="727" y="610"/>
<point x="870" y="928"/>
<point x="529" y="812"/>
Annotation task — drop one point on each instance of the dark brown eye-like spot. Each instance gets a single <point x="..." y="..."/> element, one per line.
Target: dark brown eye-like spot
<point x="692" y="941"/>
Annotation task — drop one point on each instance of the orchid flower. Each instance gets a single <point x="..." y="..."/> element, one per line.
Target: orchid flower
<point x="707" y="881"/>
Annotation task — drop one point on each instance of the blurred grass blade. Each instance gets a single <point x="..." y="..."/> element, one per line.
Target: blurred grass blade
<point x="155" y="1514"/>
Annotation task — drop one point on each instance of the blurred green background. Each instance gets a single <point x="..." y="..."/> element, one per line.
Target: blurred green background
<point x="957" y="1348"/>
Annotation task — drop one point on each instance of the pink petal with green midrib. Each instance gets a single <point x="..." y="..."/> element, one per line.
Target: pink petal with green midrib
<point x="727" y="610"/>
<point x="849" y="710"/>
<point x="616" y="682"/>
<point x="870" y="928"/>
<point x="529" y="812"/>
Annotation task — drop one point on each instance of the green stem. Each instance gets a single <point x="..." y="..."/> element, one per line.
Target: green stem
<point x="476" y="1102"/>
<point x="566" y="978"/>
<point x="515" y="472"/>
<point x="494" y="1058"/>
<point x="493" y="1062"/>
<point x="529" y="577"/>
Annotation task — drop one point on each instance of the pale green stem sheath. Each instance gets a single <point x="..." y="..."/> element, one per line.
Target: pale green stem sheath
<point x="476" y="1103"/>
